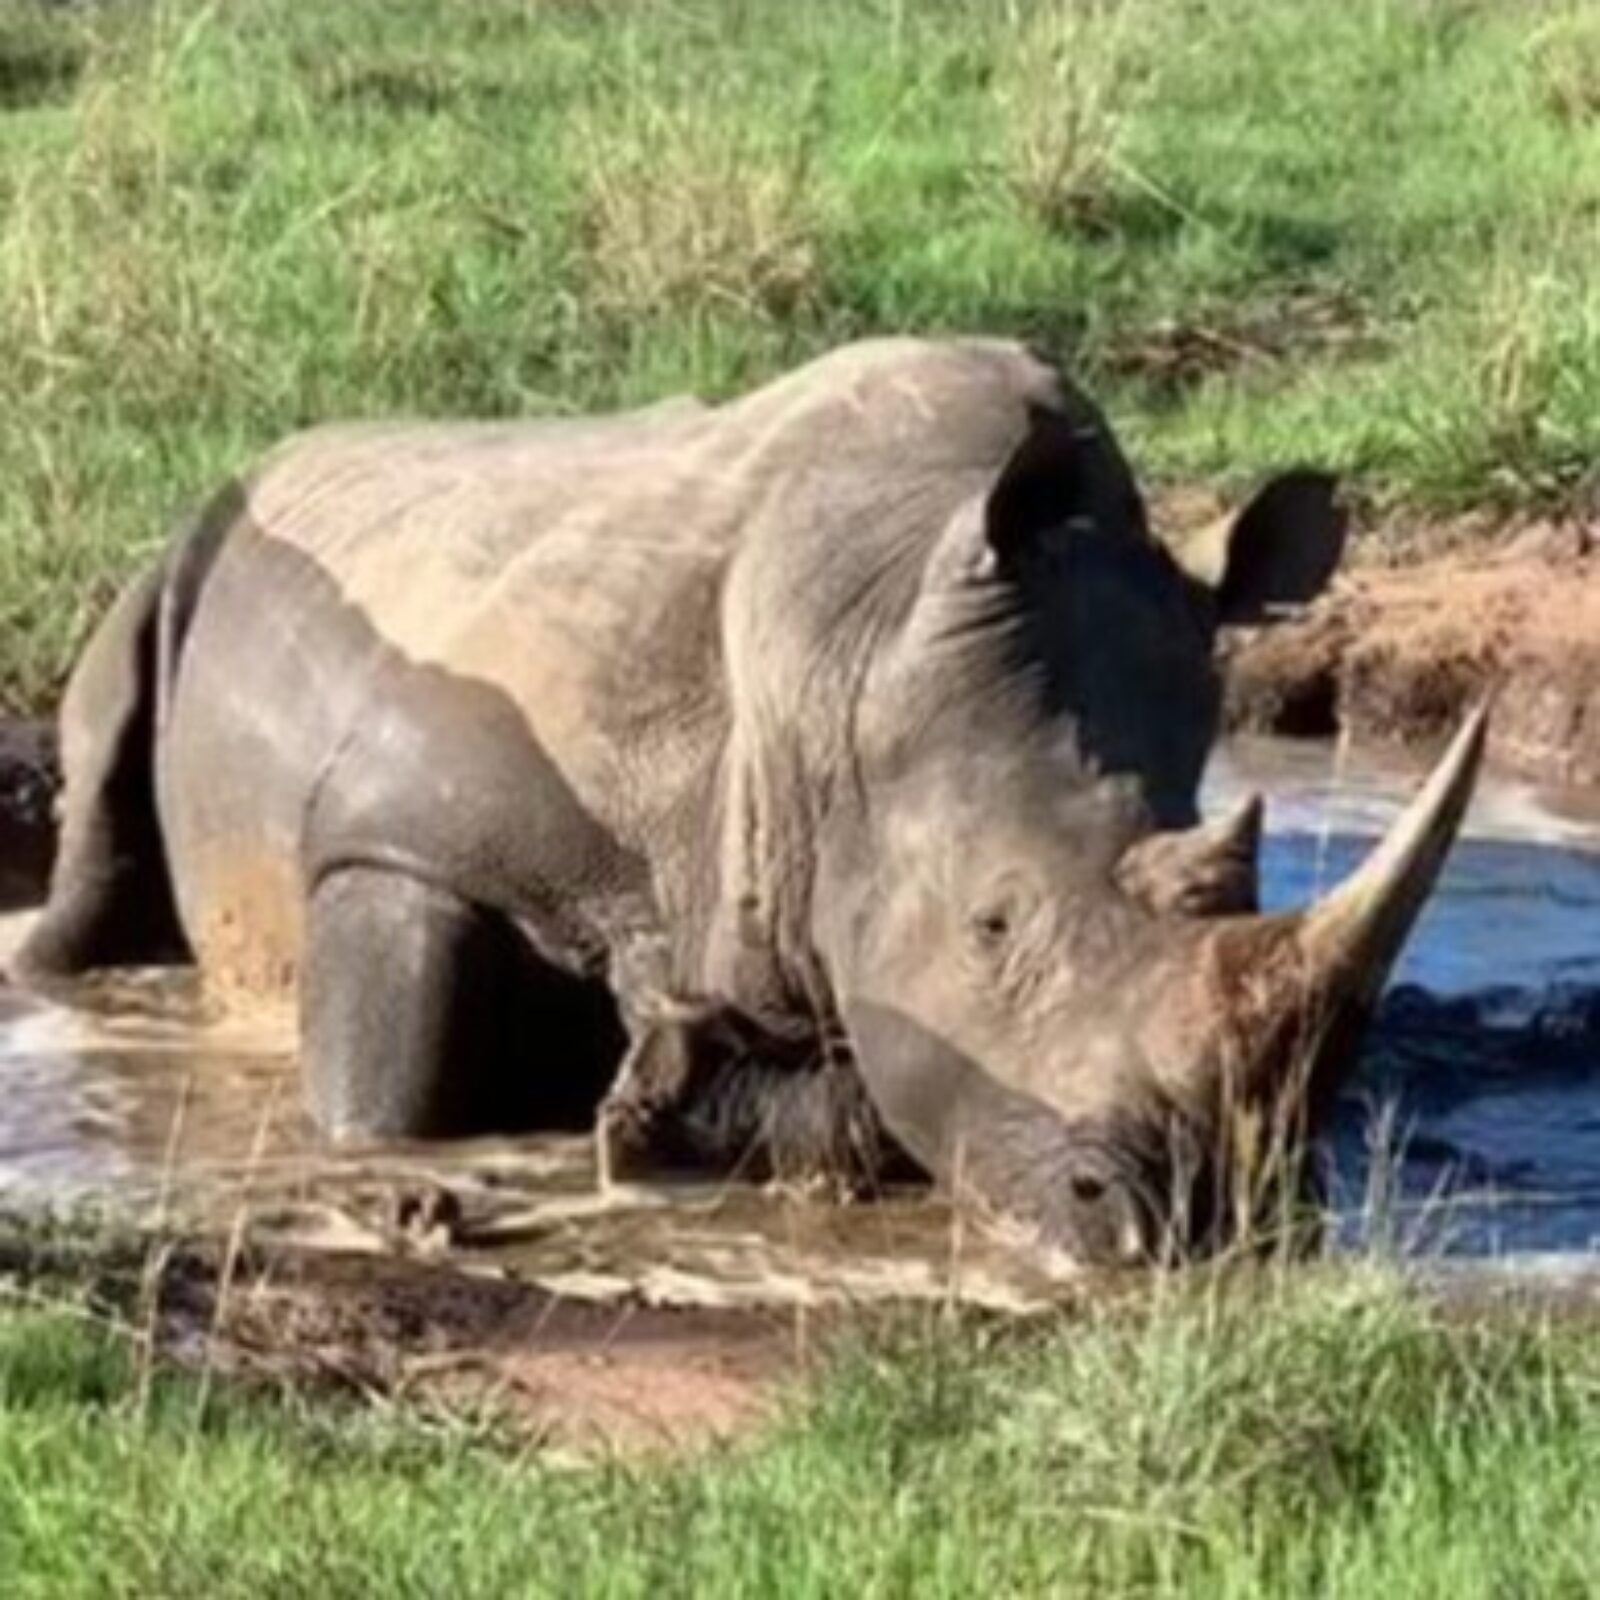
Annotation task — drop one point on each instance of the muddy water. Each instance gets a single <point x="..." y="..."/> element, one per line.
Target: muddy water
<point x="1474" y="1128"/>
<point x="138" y="1100"/>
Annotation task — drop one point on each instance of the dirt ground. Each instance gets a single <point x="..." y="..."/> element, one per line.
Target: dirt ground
<point x="581" y="1376"/>
<point x="584" y="1378"/>
<point x="579" y="1379"/>
<point x="1396" y="654"/>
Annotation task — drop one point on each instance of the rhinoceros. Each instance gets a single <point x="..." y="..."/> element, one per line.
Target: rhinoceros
<point x="805" y="782"/>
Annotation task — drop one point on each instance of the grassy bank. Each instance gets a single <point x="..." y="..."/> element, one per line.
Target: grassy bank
<point x="1326" y="1436"/>
<point x="1263" y="229"/>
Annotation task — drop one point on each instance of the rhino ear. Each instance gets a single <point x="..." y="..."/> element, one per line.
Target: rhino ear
<point x="1041" y="487"/>
<point x="1280" y="550"/>
<point x="1039" y="490"/>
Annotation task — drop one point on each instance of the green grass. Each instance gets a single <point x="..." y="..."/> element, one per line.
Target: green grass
<point x="1363" y="233"/>
<point x="1324" y="1435"/>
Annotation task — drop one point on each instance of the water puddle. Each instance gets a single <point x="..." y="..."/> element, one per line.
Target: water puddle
<point x="1480" y="1095"/>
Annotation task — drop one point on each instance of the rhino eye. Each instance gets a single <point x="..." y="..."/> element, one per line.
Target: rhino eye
<point x="998" y="915"/>
<point x="1088" y="1189"/>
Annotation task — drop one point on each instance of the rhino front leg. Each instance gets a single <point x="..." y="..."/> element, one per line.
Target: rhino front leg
<point x="714" y="1092"/>
<point x="653" y="1078"/>
<point x="392" y="1009"/>
<point x="426" y="1015"/>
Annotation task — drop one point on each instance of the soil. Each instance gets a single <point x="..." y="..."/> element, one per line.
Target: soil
<point x="1398" y="654"/>
<point x="582" y="1378"/>
<point x="1172" y="357"/>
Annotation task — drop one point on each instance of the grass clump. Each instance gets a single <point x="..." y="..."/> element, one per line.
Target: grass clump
<point x="684" y="211"/>
<point x="40" y="59"/>
<point x="1509" y="405"/>
<point x="1069" y="80"/>
<point x="1565" y="57"/>
<point x="1320" y="1433"/>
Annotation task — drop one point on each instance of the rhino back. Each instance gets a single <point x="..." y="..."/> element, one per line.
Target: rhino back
<point x="574" y="569"/>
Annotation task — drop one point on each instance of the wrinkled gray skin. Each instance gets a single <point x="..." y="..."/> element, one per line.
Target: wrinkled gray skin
<point x="808" y="749"/>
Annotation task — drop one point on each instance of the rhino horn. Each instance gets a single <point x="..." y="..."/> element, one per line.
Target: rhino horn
<point x="1351" y="938"/>
<point x="1297" y="988"/>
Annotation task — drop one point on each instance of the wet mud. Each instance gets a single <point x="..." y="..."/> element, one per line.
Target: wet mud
<point x="463" y="1346"/>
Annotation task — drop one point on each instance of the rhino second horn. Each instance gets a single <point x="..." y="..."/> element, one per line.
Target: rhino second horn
<point x="1352" y="937"/>
<point x="1206" y="871"/>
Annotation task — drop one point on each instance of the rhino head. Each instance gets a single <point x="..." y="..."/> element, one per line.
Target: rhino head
<point x="1058" y="986"/>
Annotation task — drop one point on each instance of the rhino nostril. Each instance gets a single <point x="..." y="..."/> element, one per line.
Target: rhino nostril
<point x="1088" y="1189"/>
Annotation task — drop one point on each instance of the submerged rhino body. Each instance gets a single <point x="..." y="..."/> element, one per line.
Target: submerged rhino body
<point x="812" y="776"/>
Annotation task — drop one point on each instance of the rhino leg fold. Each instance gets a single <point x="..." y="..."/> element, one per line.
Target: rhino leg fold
<point x="424" y="1015"/>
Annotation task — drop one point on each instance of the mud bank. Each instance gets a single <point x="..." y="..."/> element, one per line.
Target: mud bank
<point x="448" y="1343"/>
<point x="1396" y="654"/>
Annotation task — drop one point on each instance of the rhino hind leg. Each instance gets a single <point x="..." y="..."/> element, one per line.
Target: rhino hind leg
<point x="424" y="1015"/>
<point x="111" y="900"/>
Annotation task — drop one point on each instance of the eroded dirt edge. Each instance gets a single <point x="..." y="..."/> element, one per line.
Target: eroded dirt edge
<point x="1397" y="654"/>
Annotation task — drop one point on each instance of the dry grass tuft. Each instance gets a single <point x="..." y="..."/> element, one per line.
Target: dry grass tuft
<point x="683" y="209"/>
<point x="1070" y="74"/>
<point x="1533" y="335"/>
<point x="1564" y="55"/>
<point x="148" y="307"/>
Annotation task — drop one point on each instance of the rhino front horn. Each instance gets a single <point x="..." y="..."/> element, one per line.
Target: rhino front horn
<point x="1351" y="938"/>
